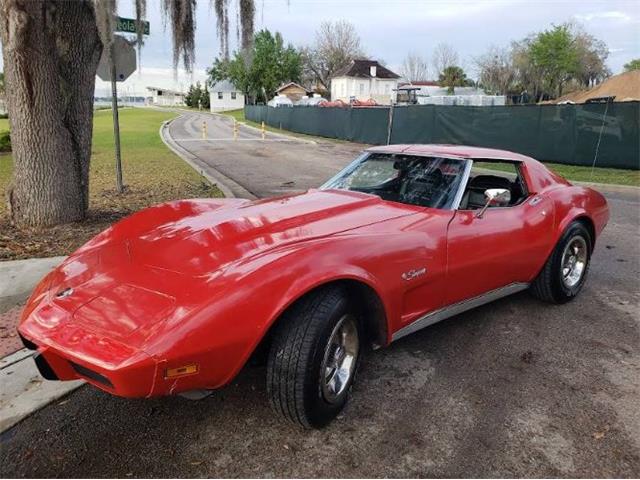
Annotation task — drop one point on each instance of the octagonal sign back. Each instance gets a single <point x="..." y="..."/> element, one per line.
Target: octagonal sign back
<point x="125" y="60"/>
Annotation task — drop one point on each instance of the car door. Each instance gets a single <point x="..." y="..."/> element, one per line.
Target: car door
<point x="506" y="245"/>
<point x="423" y="274"/>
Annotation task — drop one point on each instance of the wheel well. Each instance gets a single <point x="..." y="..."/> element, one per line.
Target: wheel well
<point x="374" y="318"/>
<point x="591" y="228"/>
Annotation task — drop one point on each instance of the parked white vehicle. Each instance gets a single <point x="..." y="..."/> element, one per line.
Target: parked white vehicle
<point x="311" y="101"/>
<point x="280" y="101"/>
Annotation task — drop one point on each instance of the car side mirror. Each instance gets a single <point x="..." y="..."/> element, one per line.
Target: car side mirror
<point x="499" y="197"/>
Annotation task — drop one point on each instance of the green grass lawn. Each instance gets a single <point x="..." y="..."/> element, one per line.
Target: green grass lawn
<point x="238" y="115"/>
<point x="584" y="174"/>
<point x="597" y="175"/>
<point x="152" y="174"/>
<point x="147" y="163"/>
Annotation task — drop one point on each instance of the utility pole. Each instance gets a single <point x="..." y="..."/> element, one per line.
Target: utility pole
<point x="390" y="124"/>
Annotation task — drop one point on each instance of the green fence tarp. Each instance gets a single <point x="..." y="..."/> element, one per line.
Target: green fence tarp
<point x="569" y="134"/>
<point x="365" y="125"/>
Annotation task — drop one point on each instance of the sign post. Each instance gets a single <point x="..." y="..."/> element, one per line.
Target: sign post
<point x="116" y="65"/>
<point x="116" y="118"/>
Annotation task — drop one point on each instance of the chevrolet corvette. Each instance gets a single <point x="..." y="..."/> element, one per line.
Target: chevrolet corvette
<point x="178" y="297"/>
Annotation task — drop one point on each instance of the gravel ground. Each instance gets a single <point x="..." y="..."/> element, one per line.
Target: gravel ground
<point x="514" y="388"/>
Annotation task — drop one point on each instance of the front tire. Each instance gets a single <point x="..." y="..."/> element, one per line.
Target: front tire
<point x="314" y="357"/>
<point x="565" y="272"/>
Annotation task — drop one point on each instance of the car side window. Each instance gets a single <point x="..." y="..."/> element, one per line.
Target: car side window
<point x="491" y="174"/>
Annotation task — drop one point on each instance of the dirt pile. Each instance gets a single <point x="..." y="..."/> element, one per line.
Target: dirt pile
<point x="625" y="87"/>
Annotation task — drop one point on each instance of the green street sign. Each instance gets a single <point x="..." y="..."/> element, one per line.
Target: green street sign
<point x="128" y="25"/>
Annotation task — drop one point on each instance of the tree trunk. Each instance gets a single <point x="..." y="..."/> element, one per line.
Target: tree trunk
<point x="51" y="51"/>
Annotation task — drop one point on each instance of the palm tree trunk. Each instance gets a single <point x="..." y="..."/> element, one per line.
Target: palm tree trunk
<point x="51" y="51"/>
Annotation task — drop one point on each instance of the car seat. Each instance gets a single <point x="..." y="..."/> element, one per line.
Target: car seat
<point x="421" y="189"/>
<point x="473" y="197"/>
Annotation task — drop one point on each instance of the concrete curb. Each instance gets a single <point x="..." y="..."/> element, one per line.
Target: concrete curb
<point x="229" y="187"/>
<point x="14" y="358"/>
<point x="22" y="390"/>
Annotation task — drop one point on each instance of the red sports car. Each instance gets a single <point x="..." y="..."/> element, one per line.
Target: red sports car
<point x="177" y="297"/>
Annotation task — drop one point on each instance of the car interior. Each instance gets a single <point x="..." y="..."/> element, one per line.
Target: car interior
<point x="491" y="174"/>
<point x="424" y="181"/>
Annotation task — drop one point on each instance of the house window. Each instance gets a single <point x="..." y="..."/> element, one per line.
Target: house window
<point x="219" y="95"/>
<point x="362" y="89"/>
<point x="233" y="95"/>
<point x="386" y="88"/>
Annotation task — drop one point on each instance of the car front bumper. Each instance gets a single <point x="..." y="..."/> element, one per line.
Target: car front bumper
<point x="135" y="379"/>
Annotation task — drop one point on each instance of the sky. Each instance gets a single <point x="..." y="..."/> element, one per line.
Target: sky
<point x="389" y="29"/>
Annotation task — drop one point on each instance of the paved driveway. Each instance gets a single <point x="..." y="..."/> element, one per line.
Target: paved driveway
<point x="514" y="388"/>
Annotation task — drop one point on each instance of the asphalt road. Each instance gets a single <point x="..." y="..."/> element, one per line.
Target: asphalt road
<point x="277" y="165"/>
<point x="514" y="388"/>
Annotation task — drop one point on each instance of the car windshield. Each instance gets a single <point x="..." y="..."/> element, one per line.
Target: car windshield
<point x="415" y="180"/>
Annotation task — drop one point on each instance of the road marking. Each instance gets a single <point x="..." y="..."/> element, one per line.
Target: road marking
<point x="215" y="177"/>
<point x="189" y="127"/>
<point x="233" y="140"/>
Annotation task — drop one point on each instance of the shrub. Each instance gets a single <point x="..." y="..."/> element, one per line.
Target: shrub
<point x="5" y="142"/>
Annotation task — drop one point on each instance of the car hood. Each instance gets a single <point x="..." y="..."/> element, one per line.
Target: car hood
<point x="206" y="237"/>
<point x="162" y="262"/>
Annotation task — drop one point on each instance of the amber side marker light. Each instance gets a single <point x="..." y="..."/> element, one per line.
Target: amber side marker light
<point x="181" y="371"/>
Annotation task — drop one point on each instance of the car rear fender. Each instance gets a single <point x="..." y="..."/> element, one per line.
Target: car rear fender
<point x="583" y="204"/>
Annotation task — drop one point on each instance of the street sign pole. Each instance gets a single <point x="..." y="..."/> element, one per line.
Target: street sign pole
<point x="116" y="119"/>
<point x="116" y="65"/>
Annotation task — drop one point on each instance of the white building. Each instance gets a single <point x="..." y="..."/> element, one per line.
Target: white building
<point x="363" y="80"/>
<point x="164" y="97"/>
<point x="225" y="96"/>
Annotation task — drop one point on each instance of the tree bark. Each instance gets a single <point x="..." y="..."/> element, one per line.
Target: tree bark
<point x="51" y="50"/>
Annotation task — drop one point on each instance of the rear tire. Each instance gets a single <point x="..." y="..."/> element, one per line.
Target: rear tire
<point x="565" y="271"/>
<point x="314" y="357"/>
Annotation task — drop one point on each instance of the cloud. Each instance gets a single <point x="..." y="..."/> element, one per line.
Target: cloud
<point x="599" y="16"/>
<point x="391" y="29"/>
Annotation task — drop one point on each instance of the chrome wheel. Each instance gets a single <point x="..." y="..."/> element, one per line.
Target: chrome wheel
<point x="574" y="261"/>
<point x="340" y="356"/>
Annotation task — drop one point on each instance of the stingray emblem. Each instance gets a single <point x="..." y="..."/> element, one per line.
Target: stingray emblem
<point x="415" y="273"/>
<point x="64" y="293"/>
